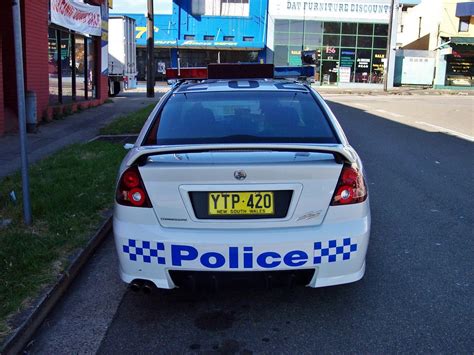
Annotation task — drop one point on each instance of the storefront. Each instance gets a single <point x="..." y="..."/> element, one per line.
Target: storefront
<point x="220" y="31"/>
<point x="460" y="63"/>
<point x="350" y="38"/>
<point x="72" y="51"/>
<point x="64" y="54"/>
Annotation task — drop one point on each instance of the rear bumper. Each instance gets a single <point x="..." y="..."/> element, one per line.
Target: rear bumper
<point x="336" y="249"/>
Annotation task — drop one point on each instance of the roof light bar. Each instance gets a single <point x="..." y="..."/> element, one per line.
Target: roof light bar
<point x="240" y="71"/>
<point x="196" y="73"/>
<point x="307" y="71"/>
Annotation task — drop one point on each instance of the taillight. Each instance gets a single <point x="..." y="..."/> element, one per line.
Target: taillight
<point x="350" y="188"/>
<point x="131" y="191"/>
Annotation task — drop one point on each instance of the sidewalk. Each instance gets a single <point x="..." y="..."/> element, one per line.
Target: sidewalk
<point x="76" y="128"/>
<point x="404" y="90"/>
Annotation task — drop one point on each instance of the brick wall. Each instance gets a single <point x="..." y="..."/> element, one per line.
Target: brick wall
<point x="2" y="111"/>
<point x="35" y="56"/>
<point x="10" y="108"/>
<point x="103" y="82"/>
<point x="35" y="29"/>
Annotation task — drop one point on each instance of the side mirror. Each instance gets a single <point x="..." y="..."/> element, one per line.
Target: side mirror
<point x="128" y="146"/>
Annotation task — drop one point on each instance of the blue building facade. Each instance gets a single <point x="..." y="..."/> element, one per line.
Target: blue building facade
<point x="205" y="31"/>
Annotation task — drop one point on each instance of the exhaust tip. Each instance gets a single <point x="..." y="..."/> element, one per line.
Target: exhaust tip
<point x="147" y="288"/>
<point x="135" y="286"/>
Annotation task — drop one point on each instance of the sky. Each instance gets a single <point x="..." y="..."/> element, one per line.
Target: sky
<point x="140" y="7"/>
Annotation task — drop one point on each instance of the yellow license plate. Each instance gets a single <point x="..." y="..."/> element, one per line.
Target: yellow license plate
<point x="241" y="203"/>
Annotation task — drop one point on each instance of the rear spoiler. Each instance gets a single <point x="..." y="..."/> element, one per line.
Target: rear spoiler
<point x="340" y="152"/>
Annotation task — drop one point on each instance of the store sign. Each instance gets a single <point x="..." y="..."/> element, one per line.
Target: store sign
<point x="77" y="16"/>
<point x="355" y="10"/>
<point x="344" y="74"/>
<point x="363" y="63"/>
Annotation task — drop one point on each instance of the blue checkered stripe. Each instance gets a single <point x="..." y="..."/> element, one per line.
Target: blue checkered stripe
<point x="331" y="251"/>
<point x="137" y="249"/>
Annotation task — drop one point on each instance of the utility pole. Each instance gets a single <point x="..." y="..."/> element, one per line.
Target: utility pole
<point x="389" y="46"/>
<point x="20" y="87"/>
<point x="304" y="28"/>
<point x="150" y="27"/>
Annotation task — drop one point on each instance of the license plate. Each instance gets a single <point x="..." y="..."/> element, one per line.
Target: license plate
<point x="241" y="203"/>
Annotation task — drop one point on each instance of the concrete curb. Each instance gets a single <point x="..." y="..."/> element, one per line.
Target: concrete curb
<point x="22" y="335"/>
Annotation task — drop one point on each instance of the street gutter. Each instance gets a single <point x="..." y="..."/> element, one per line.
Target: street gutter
<point x="16" y="342"/>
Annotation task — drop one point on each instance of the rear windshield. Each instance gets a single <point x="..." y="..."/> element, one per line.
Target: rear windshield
<point x="243" y="117"/>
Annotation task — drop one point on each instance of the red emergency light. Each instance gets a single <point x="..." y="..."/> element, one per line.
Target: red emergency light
<point x="222" y="71"/>
<point x="197" y="73"/>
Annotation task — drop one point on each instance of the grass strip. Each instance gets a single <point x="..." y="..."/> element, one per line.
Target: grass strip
<point x="131" y="123"/>
<point x="70" y="193"/>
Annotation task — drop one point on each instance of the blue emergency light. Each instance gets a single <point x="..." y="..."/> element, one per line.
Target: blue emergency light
<point x="240" y="71"/>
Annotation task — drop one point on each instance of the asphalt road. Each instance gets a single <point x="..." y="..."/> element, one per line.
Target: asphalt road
<point x="416" y="295"/>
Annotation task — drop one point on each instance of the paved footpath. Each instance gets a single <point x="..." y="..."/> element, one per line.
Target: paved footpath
<point x="76" y="128"/>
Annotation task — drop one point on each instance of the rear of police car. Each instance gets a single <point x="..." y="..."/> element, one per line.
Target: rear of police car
<point x="241" y="177"/>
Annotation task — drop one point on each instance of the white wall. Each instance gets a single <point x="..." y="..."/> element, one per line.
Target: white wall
<point x="430" y="12"/>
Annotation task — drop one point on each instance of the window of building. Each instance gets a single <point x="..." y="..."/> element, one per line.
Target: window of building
<point x="464" y="24"/>
<point x="346" y="51"/>
<point x="366" y="29"/>
<point x="80" y="54"/>
<point x="247" y="39"/>
<point x="239" y="56"/>
<point x="71" y="66"/>
<point x="460" y="66"/>
<point x="282" y="25"/>
<point x="91" y="78"/>
<point x="313" y="40"/>
<point x="363" y="61"/>
<point x="281" y="38"/>
<point x="332" y="27"/>
<point x="53" y="68"/>
<point x="209" y="38"/>
<point x="229" y="38"/>
<point x="296" y="26"/>
<point x="198" y="7"/>
<point x="189" y="37"/>
<point x="294" y="57"/>
<point x="349" y="28"/>
<point x="348" y="41"/>
<point x="67" y="67"/>
<point x="331" y="40"/>
<point x="364" y="41"/>
<point x="380" y="42"/>
<point x="330" y="53"/>
<point x="296" y="38"/>
<point x="314" y="27"/>
<point x="348" y="56"/>
<point x="381" y="29"/>
<point x="280" y="55"/>
<point x="220" y="8"/>
<point x="329" y="70"/>
<point x="378" y="58"/>
<point x="234" y="8"/>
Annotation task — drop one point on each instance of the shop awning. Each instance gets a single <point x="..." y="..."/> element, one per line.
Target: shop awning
<point x="465" y="9"/>
<point x="462" y="40"/>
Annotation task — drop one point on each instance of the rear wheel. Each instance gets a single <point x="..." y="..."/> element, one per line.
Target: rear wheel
<point x="114" y="88"/>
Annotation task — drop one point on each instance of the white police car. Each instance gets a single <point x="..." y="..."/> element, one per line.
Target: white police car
<point x="241" y="175"/>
